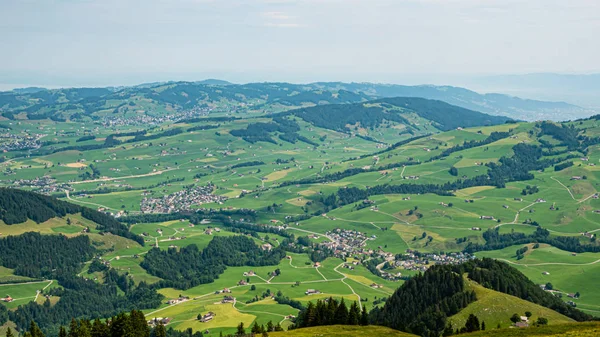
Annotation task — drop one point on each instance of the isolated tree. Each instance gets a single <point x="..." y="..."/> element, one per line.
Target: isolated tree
<point x="542" y="321"/>
<point x="515" y="318"/>
<point x="472" y="323"/>
<point x="160" y="330"/>
<point x="341" y="313"/>
<point x="528" y="314"/>
<point x="9" y="333"/>
<point x="482" y="325"/>
<point x="240" y="329"/>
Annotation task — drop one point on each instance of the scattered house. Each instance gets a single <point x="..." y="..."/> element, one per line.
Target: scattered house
<point x="540" y="200"/>
<point x="595" y="196"/>
<point x="228" y="299"/>
<point x="545" y="273"/>
<point x="476" y="228"/>
<point x="405" y="198"/>
<point x="7" y="299"/>
<point x="242" y="283"/>
<point x="375" y="285"/>
<point x="573" y="254"/>
<point x="266" y="246"/>
<point x="208" y="231"/>
<point x="518" y="199"/>
<point x="571" y="295"/>
<point x="207" y="317"/>
<point x="312" y="292"/>
<point x="525" y="319"/>
<point x="505" y="206"/>
<point x="575" y="178"/>
<point x="178" y="300"/>
<point x="486" y="217"/>
<point x="522" y="325"/>
<point x="317" y="264"/>
<point x="226" y="290"/>
<point x="156" y="321"/>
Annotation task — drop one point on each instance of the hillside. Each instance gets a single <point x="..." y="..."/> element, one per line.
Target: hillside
<point x="343" y="330"/>
<point x="491" y="103"/>
<point x="495" y="309"/>
<point x="161" y="100"/>
<point x="372" y="114"/>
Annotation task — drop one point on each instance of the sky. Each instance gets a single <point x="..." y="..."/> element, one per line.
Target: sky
<point x="123" y="42"/>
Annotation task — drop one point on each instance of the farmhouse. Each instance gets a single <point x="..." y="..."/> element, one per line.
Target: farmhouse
<point x="242" y="283"/>
<point x="178" y="300"/>
<point x="575" y="178"/>
<point x="7" y="299"/>
<point x="312" y="292"/>
<point x="207" y="317"/>
<point x="228" y="299"/>
<point x="475" y="228"/>
<point x="486" y="217"/>
<point x="266" y="246"/>
<point x="156" y="321"/>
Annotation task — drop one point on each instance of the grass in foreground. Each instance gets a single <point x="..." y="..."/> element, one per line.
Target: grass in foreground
<point x="343" y="330"/>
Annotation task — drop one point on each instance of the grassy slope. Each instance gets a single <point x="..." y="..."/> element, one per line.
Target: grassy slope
<point x="343" y="330"/>
<point x="495" y="308"/>
<point x="574" y="330"/>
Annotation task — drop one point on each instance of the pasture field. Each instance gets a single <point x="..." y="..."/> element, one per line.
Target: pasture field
<point x="288" y="183"/>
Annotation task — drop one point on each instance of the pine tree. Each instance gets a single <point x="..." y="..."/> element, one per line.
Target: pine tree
<point x="364" y="317"/>
<point x="278" y="327"/>
<point x="472" y="323"/>
<point x="341" y="313"/>
<point x="62" y="332"/>
<point x="310" y="315"/>
<point x="482" y="325"/>
<point x="9" y="333"/>
<point x="99" y="329"/>
<point x="255" y="328"/>
<point x="270" y="326"/>
<point x="240" y="329"/>
<point x="73" y="328"/>
<point x="35" y="331"/>
<point x="160" y="330"/>
<point x="84" y="329"/>
<point x="353" y="314"/>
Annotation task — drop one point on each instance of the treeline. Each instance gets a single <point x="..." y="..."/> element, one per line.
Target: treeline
<point x="191" y="266"/>
<point x="16" y="206"/>
<point x="34" y="255"/>
<point x="424" y="302"/>
<point x="132" y="325"/>
<point x="494" y="240"/>
<point x="203" y="127"/>
<point x="248" y="163"/>
<point x="493" y="137"/>
<point x="84" y="299"/>
<point x="567" y="135"/>
<point x="562" y="166"/>
<point x="331" y="312"/>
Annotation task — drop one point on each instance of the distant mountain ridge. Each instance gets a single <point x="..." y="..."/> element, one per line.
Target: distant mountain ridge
<point x="42" y="103"/>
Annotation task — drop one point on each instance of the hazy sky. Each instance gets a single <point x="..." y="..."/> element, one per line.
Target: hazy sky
<point x="114" y="42"/>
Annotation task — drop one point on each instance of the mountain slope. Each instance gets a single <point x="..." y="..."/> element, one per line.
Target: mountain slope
<point x="492" y="103"/>
<point x="441" y="115"/>
<point x="496" y="308"/>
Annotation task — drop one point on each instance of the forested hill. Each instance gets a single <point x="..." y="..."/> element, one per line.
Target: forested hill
<point x="17" y="206"/>
<point x="441" y="115"/>
<point x="422" y="304"/>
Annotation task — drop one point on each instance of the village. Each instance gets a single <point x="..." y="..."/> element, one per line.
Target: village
<point x="181" y="201"/>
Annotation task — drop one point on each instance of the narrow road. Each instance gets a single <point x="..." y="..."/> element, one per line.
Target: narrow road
<point x="563" y="185"/>
<point x="550" y="263"/>
<point x="125" y="177"/>
<point x="349" y="286"/>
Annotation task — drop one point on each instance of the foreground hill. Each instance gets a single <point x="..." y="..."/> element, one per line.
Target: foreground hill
<point x="343" y="330"/>
<point x="495" y="308"/>
<point x="591" y="329"/>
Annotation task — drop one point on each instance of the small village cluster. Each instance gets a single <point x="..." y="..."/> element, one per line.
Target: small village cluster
<point x="181" y="201"/>
<point x="415" y="260"/>
<point x="345" y="242"/>
<point x="159" y="119"/>
<point x="14" y="142"/>
<point x="44" y="185"/>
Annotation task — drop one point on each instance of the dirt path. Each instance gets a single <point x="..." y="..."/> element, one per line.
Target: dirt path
<point x="349" y="286"/>
<point x="550" y="263"/>
<point x="563" y="185"/>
